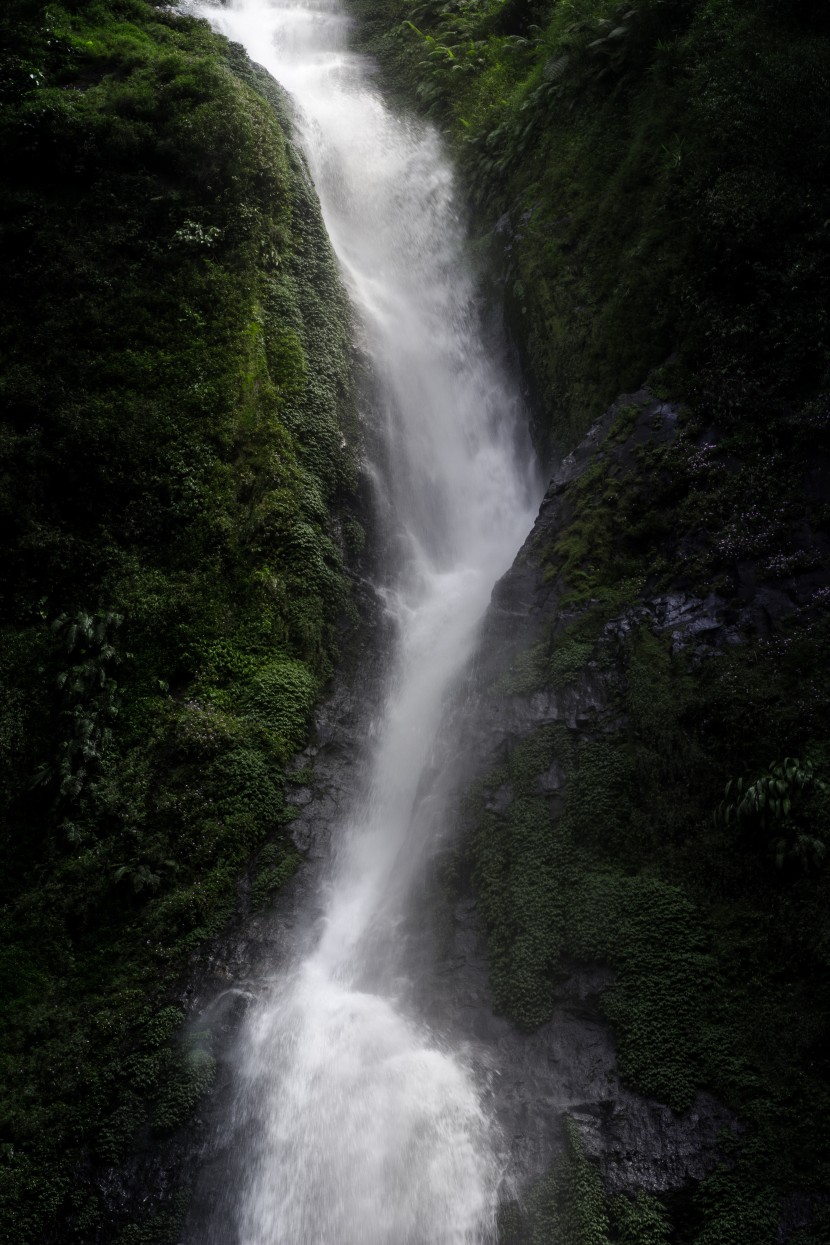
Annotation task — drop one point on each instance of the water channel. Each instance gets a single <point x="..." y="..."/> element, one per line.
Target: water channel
<point x="367" y="1125"/>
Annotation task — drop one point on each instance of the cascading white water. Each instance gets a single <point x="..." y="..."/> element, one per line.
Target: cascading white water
<point x="367" y="1129"/>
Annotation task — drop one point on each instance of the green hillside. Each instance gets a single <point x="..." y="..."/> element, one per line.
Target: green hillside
<point x="178" y="459"/>
<point x="649" y="196"/>
<point x="659" y="170"/>
<point x="651" y="179"/>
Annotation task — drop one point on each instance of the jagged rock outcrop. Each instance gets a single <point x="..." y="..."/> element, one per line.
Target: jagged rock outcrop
<point x="569" y="1066"/>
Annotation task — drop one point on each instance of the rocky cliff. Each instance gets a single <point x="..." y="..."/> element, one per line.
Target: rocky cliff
<point x="179" y="501"/>
<point x="644" y="860"/>
<point x="633" y="916"/>
<point x="640" y="895"/>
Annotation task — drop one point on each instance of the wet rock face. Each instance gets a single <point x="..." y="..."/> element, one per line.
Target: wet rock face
<point x="205" y="1158"/>
<point x="516" y="694"/>
<point x="568" y="1066"/>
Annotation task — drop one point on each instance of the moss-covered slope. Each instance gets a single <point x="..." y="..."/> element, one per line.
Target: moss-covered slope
<point x="658" y="170"/>
<point x="177" y="463"/>
<point x="654" y="177"/>
<point x="660" y="805"/>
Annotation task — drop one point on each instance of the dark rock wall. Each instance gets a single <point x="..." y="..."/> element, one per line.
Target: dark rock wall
<point x="607" y="904"/>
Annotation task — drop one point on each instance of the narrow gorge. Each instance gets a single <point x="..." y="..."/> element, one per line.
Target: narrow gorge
<point x="414" y="746"/>
<point x="356" y="1122"/>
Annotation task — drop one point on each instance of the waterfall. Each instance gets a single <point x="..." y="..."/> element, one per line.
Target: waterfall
<point x="365" y="1125"/>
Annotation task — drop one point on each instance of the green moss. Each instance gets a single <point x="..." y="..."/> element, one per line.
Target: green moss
<point x="640" y="1220"/>
<point x="525" y="675"/>
<point x="542" y="896"/>
<point x="627" y="862"/>
<point x="178" y="450"/>
<point x="734" y="1213"/>
<point x="659" y="204"/>
<point x="514" y="859"/>
<point x="187" y="1076"/>
<point x="277" y="863"/>
<point x="354" y="535"/>
<point x="280" y="698"/>
<point x="163" y="1228"/>
<point x="654" y="937"/>
<point x="569" y="1205"/>
<point x="568" y="661"/>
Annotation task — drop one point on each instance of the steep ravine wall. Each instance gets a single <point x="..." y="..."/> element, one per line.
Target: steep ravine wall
<point x="181" y="513"/>
<point x="653" y="175"/>
<point x="645" y="866"/>
<point x="655" y="950"/>
<point x="198" y="1166"/>
<point x="604" y="903"/>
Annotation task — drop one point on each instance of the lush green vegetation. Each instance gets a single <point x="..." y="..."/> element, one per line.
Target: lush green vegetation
<point x="689" y="851"/>
<point x="177" y="462"/>
<point x="659" y="172"/>
<point x="654" y="176"/>
<point x="178" y="457"/>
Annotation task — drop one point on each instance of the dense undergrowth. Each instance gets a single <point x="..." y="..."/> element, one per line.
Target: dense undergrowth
<point x="178" y="458"/>
<point x="657" y="170"/>
<point x="686" y="843"/>
<point x="654" y="175"/>
<point x="174" y="353"/>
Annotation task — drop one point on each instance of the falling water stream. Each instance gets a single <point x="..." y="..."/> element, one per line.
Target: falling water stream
<point x="365" y="1125"/>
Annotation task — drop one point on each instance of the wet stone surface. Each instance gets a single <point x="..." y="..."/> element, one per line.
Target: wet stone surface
<point x="531" y="1080"/>
<point x="568" y="1066"/>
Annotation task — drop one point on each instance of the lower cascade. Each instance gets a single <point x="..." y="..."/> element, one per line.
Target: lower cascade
<point x="364" y="1125"/>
